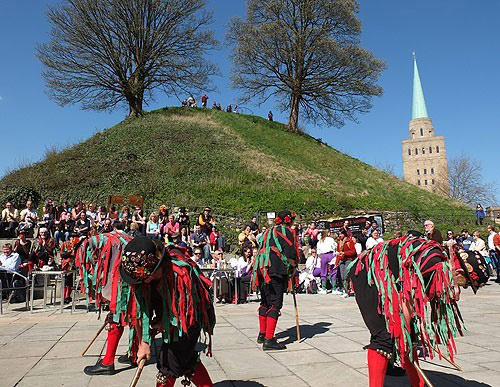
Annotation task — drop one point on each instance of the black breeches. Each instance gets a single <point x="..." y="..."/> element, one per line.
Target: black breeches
<point x="367" y="299"/>
<point x="180" y="358"/>
<point x="272" y="296"/>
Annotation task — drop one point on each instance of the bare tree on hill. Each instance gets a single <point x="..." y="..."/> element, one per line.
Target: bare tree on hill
<point x="103" y="53"/>
<point x="307" y="54"/>
<point x="466" y="181"/>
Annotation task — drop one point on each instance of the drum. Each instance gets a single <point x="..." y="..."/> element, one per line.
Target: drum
<point x="476" y="268"/>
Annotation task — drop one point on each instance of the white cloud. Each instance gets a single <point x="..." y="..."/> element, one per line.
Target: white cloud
<point x="1" y="98"/>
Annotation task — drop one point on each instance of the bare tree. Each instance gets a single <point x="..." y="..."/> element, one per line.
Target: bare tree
<point x="466" y="181"/>
<point x="306" y="53"/>
<point x="103" y="53"/>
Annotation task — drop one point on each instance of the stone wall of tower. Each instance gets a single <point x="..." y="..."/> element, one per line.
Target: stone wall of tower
<point x="424" y="158"/>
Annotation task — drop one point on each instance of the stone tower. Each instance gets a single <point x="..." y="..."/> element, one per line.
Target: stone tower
<point x="424" y="154"/>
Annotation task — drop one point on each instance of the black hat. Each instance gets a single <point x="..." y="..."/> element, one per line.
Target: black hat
<point x="141" y="258"/>
<point x="284" y="217"/>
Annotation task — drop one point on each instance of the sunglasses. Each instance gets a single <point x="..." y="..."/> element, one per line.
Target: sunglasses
<point x="197" y="253"/>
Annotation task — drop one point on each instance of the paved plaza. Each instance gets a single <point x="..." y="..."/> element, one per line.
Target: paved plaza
<point x="43" y="348"/>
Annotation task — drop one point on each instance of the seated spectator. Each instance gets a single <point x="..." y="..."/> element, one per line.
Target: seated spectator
<point x="163" y="215"/>
<point x="214" y="106"/>
<point x="236" y="110"/>
<point x="450" y="241"/>
<point x="47" y="220"/>
<point x="398" y="234"/>
<point x="200" y="239"/>
<point x="362" y="238"/>
<point x="63" y="225"/>
<point x="153" y="227"/>
<point x="29" y="217"/>
<point x="217" y="259"/>
<point x="101" y="217"/>
<point x="22" y="246"/>
<point x="170" y="228"/>
<point x="82" y="226"/>
<point x="113" y="214"/>
<point x="374" y="226"/>
<point x="346" y="253"/>
<point x="139" y="218"/>
<point x="312" y="269"/>
<point x="347" y="229"/>
<point x="260" y="235"/>
<point x="44" y="250"/>
<point x="9" y="220"/>
<point x="219" y="107"/>
<point x="244" y="268"/>
<point x="184" y="236"/>
<point x="125" y="217"/>
<point x="270" y="115"/>
<point x="183" y="218"/>
<point x="373" y="240"/>
<point x="246" y="238"/>
<point x="254" y="227"/>
<point x="229" y="109"/>
<point x="134" y="230"/>
<point x="77" y="210"/>
<point x="197" y="256"/>
<point x="214" y="236"/>
<point x="106" y="227"/>
<point x="92" y="214"/>
<point x="466" y="240"/>
<point x="479" y="245"/>
<point x="10" y="260"/>
<point x="191" y="101"/>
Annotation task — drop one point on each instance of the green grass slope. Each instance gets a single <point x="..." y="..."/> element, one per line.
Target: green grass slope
<point x="239" y="163"/>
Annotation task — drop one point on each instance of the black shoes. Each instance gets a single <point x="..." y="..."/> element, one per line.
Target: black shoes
<point x="260" y="338"/>
<point x="99" y="369"/>
<point x="126" y="359"/>
<point x="272" y="345"/>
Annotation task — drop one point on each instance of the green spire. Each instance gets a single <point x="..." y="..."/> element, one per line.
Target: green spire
<point x="419" y="109"/>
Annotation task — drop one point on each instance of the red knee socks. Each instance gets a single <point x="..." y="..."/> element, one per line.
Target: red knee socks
<point x="262" y="324"/>
<point x="377" y="366"/>
<point x="415" y="378"/>
<point x="201" y="378"/>
<point x="270" y="327"/>
<point x="67" y="291"/>
<point x="114" y="334"/>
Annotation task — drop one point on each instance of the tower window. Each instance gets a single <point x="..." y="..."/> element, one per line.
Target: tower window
<point x="421" y="132"/>
<point x="409" y="151"/>
<point x="432" y="181"/>
<point x="432" y="171"/>
<point x="425" y="171"/>
<point x="430" y="149"/>
<point x="418" y="172"/>
<point x="425" y="182"/>
<point x="416" y="151"/>
<point x="437" y="149"/>
<point x="423" y="151"/>
<point x="419" y="182"/>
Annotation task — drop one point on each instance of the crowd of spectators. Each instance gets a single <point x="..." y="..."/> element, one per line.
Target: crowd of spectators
<point x="191" y="103"/>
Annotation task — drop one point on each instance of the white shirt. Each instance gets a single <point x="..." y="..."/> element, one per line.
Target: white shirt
<point x="326" y="245"/>
<point x="491" y="245"/>
<point x="359" y="248"/>
<point x="11" y="262"/>
<point x="479" y="246"/>
<point x="242" y="264"/>
<point x="372" y="242"/>
<point x="26" y="214"/>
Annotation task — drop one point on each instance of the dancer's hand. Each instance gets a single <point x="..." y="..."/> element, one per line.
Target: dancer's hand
<point x="144" y="352"/>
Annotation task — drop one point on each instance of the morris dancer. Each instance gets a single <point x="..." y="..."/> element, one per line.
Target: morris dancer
<point x="400" y="286"/>
<point x="98" y="259"/>
<point x="276" y="260"/>
<point x="173" y="298"/>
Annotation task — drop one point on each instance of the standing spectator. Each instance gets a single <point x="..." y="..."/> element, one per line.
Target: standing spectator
<point x="82" y="226"/>
<point x="214" y="106"/>
<point x="235" y="110"/>
<point x="153" y="227"/>
<point x="346" y="228"/>
<point x="496" y="243"/>
<point x="479" y="246"/>
<point x="480" y="215"/>
<point x="373" y="240"/>
<point x="362" y="238"/>
<point x="466" y="240"/>
<point x="432" y="233"/>
<point x="326" y="248"/>
<point x="9" y="220"/>
<point x="191" y="101"/>
<point x="204" y="101"/>
<point x="229" y="108"/>
<point x="270" y="115"/>
<point x="183" y="218"/>
<point x="219" y="107"/>
<point x="29" y="217"/>
<point x="199" y="239"/>
<point x="254" y="227"/>
<point x="312" y="234"/>
<point x="492" y="250"/>
<point x="206" y="221"/>
<point x="139" y="218"/>
<point x="214" y="236"/>
<point x="346" y="253"/>
<point x="171" y="227"/>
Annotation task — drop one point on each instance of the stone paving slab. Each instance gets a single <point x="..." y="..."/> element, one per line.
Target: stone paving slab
<point x="43" y="349"/>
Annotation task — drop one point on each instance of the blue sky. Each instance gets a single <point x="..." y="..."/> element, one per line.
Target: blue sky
<point x="457" y="53"/>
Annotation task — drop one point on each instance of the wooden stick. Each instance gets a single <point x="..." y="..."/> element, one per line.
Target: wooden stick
<point x="296" y="316"/>
<point x="421" y="373"/>
<point x="138" y="373"/>
<point x="94" y="339"/>
<point x="448" y="360"/>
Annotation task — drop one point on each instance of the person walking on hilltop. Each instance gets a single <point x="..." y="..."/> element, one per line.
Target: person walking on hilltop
<point x="275" y="264"/>
<point x="204" y="101"/>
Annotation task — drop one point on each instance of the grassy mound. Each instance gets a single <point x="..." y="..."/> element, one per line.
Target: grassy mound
<point x="238" y="163"/>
